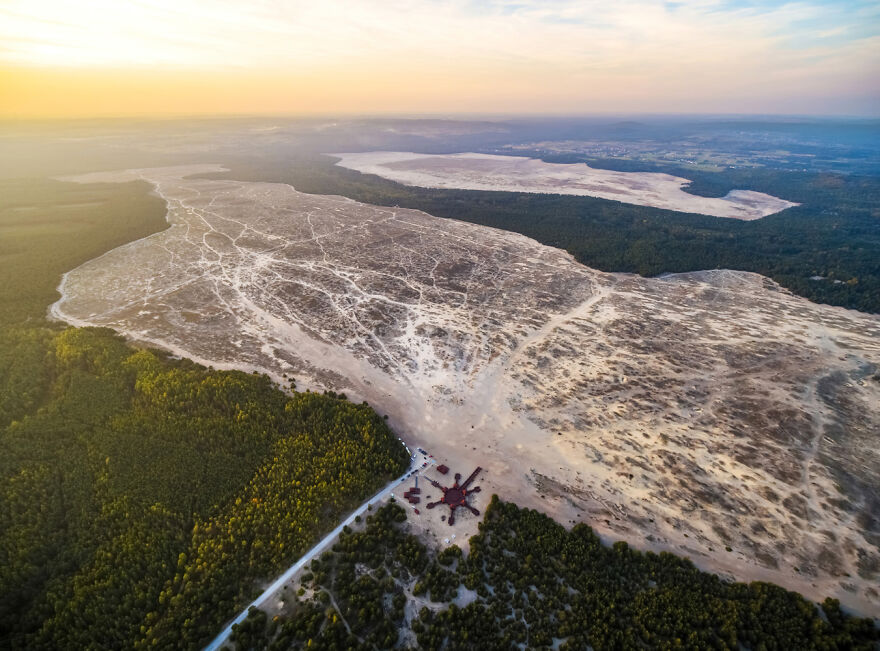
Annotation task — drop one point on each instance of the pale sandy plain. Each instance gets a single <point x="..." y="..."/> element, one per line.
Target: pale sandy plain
<point x="691" y="413"/>
<point x="520" y="174"/>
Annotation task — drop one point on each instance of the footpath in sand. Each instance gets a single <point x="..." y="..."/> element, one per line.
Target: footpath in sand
<point x="692" y="413"/>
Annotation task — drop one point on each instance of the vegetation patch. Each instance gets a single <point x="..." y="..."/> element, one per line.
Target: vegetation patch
<point x="143" y="499"/>
<point x="527" y="582"/>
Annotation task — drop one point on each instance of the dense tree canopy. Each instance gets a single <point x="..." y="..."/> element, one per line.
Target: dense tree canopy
<point x="142" y="499"/>
<point x="528" y="582"/>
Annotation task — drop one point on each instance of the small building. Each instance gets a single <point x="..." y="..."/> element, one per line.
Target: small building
<point x="442" y="469"/>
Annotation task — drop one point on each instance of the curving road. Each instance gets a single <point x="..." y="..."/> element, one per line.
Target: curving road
<point x="417" y="460"/>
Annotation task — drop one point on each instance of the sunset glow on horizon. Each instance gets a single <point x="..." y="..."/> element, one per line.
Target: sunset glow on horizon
<point x="164" y="57"/>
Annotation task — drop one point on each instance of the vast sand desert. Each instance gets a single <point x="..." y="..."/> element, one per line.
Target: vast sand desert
<point x="712" y="414"/>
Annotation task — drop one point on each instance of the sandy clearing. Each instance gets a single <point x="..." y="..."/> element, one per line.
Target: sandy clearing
<point x="687" y="413"/>
<point x="469" y="171"/>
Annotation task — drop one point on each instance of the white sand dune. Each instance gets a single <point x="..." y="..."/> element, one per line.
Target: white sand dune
<point x="519" y="174"/>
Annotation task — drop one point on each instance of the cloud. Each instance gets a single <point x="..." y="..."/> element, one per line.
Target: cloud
<point x="569" y="50"/>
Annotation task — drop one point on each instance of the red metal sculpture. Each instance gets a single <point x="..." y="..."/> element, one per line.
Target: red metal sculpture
<point x="456" y="495"/>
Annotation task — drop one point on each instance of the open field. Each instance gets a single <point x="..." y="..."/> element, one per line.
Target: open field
<point x="694" y="413"/>
<point x="519" y="174"/>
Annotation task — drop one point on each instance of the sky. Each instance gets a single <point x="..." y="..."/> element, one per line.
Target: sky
<point x="98" y="58"/>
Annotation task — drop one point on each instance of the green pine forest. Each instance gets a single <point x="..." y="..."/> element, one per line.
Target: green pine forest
<point x="527" y="582"/>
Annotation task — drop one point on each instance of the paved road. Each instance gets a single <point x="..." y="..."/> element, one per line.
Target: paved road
<point x="416" y="464"/>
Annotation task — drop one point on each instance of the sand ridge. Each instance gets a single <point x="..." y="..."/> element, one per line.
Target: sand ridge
<point x="470" y="171"/>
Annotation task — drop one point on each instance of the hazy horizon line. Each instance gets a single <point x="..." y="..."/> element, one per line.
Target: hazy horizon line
<point x="444" y="115"/>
